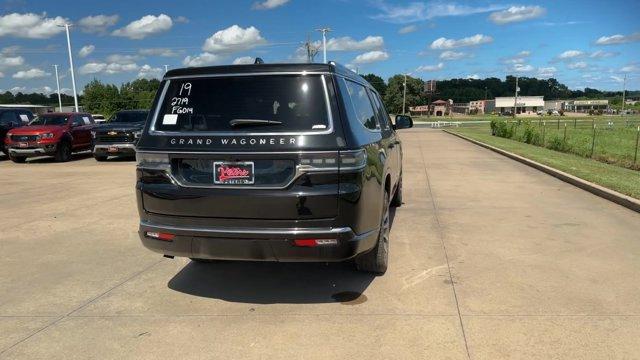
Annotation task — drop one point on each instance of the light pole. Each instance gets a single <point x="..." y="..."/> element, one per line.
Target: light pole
<point x="58" y="85"/>
<point x="324" y="32"/>
<point x="624" y="90"/>
<point x="404" y="94"/>
<point x="73" y="76"/>
<point x="166" y="68"/>
<point x="515" y="100"/>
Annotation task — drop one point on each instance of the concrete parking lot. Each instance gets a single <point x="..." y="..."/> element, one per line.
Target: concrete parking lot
<point x="490" y="259"/>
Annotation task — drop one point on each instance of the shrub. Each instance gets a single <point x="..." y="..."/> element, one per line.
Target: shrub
<point x="558" y="144"/>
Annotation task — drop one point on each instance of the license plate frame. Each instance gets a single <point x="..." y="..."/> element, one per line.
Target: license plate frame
<point x="233" y="172"/>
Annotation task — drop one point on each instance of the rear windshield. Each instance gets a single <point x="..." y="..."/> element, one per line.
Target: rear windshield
<point x="129" y="117"/>
<point x="267" y="103"/>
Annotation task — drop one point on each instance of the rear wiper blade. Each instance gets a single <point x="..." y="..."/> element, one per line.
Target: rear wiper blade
<point x="251" y="122"/>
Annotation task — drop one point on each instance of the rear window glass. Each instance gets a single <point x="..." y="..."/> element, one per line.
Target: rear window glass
<point x="129" y="117"/>
<point x="268" y="103"/>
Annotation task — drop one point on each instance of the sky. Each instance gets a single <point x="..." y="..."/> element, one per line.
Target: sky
<point x="581" y="43"/>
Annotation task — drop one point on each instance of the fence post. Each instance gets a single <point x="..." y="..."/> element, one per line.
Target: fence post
<point x="544" y="130"/>
<point x="593" y="140"/>
<point x="575" y="123"/>
<point x="558" y="123"/>
<point x="565" y="134"/>
<point x="635" y="157"/>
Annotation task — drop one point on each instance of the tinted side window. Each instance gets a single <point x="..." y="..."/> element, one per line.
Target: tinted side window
<point x="382" y="113"/>
<point x="77" y="121"/>
<point x="362" y="105"/>
<point x="7" y="117"/>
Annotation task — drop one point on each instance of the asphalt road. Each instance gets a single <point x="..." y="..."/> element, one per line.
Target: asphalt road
<point x="490" y="259"/>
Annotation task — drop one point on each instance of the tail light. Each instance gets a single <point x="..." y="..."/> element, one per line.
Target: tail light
<point x="159" y="235"/>
<point x="153" y="161"/>
<point x="343" y="161"/>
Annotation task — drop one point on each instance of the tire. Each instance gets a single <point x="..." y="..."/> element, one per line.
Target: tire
<point x="377" y="259"/>
<point x="100" y="157"/>
<point x="397" y="197"/>
<point x="63" y="153"/>
<point x="18" y="159"/>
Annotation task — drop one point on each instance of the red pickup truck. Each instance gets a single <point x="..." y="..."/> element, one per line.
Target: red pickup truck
<point x="52" y="134"/>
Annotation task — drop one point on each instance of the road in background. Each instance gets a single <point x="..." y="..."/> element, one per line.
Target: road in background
<point x="489" y="259"/>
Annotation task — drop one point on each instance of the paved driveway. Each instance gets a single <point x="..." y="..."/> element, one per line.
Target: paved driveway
<point x="489" y="259"/>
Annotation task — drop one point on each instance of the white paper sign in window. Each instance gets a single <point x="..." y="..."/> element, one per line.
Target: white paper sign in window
<point x="170" y="119"/>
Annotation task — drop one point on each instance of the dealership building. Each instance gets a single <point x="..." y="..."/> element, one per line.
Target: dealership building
<point x="586" y="105"/>
<point x="524" y="105"/>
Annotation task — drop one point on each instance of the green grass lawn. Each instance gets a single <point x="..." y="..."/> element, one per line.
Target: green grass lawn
<point x="626" y="181"/>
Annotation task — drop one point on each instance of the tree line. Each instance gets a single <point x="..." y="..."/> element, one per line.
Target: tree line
<point x="106" y="99"/>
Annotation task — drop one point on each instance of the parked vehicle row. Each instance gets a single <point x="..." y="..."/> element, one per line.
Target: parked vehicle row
<point x="61" y="134"/>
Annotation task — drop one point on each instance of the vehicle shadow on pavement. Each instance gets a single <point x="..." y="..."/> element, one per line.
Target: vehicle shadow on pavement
<point x="272" y="282"/>
<point x="51" y="159"/>
<point x="275" y="283"/>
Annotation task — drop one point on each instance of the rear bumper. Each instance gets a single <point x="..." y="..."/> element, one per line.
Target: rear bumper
<point x="115" y="149"/>
<point x="273" y="244"/>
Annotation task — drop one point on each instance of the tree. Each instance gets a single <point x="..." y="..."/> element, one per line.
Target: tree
<point x="139" y="93"/>
<point x="101" y="98"/>
<point x="377" y="82"/>
<point x="394" y="93"/>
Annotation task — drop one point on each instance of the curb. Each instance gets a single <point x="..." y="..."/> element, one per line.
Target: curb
<point x="601" y="191"/>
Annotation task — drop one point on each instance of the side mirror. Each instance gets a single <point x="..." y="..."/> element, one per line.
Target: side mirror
<point x="403" y="122"/>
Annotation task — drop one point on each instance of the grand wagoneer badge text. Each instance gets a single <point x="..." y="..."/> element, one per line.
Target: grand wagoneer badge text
<point x="197" y="141"/>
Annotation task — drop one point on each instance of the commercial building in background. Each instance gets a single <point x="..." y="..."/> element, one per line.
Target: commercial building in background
<point x="525" y="104"/>
<point x="460" y="108"/>
<point x="481" y="107"/>
<point x="441" y="107"/>
<point x="554" y="105"/>
<point x="586" y="105"/>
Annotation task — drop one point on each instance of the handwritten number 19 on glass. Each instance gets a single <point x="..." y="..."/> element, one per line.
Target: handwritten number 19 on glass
<point x="185" y="87"/>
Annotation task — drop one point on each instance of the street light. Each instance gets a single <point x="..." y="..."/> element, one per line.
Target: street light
<point x="324" y="32"/>
<point x="73" y="77"/>
<point x="404" y="93"/>
<point x="58" y="84"/>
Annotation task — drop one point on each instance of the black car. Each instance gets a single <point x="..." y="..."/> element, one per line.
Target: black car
<point x="118" y="137"/>
<point x="277" y="162"/>
<point x="9" y="119"/>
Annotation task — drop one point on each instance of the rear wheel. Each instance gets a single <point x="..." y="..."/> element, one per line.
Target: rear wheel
<point x="377" y="260"/>
<point x="63" y="153"/>
<point x="100" y="157"/>
<point x="17" y="159"/>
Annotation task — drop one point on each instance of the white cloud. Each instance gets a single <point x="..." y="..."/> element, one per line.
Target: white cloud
<point x="86" y="50"/>
<point x="98" y="24"/>
<point x="148" y="72"/>
<point x="430" y="68"/>
<point x="516" y="14"/>
<point x="518" y="58"/>
<point x="268" y="4"/>
<point x="164" y="52"/>
<point x="452" y="55"/>
<point x="43" y="90"/>
<point x="233" y="39"/>
<point x="521" y="68"/>
<point x="547" y="72"/>
<point x="107" y="68"/>
<point x="347" y="43"/>
<point x="419" y="11"/>
<point x="34" y="73"/>
<point x="578" y="65"/>
<point x="9" y="61"/>
<point x="181" y="19"/>
<point x="201" y="60"/>
<point x="408" y="29"/>
<point x="1" y="74"/>
<point x="243" y="60"/>
<point x="617" y="79"/>
<point x="473" y="77"/>
<point x="571" y="54"/>
<point x="444" y="43"/>
<point x="633" y="68"/>
<point x="618" y="39"/>
<point x="30" y="25"/>
<point x="17" y="89"/>
<point x="602" y="54"/>
<point x="370" y="57"/>
<point x="145" y="26"/>
<point x="122" y="59"/>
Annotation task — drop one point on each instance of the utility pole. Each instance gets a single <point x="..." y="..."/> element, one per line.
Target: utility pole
<point x="73" y="77"/>
<point x="324" y="32"/>
<point x="311" y="50"/>
<point x="58" y="84"/>
<point x="515" y="100"/>
<point x="624" y="90"/>
<point x="404" y="95"/>
<point x="166" y="68"/>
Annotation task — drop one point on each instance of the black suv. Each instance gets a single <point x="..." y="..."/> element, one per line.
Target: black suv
<point x="9" y="119"/>
<point x="278" y="162"/>
<point x="118" y="137"/>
